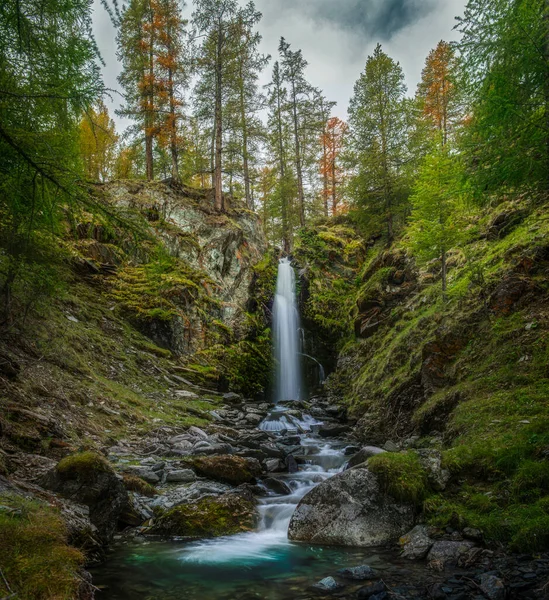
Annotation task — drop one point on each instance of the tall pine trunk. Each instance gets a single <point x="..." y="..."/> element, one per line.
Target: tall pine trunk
<point x="218" y="165"/>
<point x="325" y="172"/>
<point x="283" y="196"/>
<point x="298" y="166"/>
<point x="245" y="156"/>
<point x="173" y="129"/>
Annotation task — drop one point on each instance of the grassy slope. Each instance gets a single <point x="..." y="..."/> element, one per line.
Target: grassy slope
<point x="488" y="408"/>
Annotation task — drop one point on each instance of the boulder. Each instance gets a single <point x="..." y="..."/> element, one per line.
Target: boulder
<point x="145" y="473"/>
<point x="228" y="514"/>
<point x="416" y="543"/>
<point x="332" y="430"/>
<point x="363" y="455"/>
<point x="350" y="509"/>
<point x="88" y="479"/>
<point x="372" y="591"/>
<point x="447" y="552"/>
<point x="228" y="468"/>
<point x="232" y="398"/>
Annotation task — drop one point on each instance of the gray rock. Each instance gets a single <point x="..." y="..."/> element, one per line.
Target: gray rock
<point x="232" y="398"/>
<point x="209" y="450"/>
<point x="416" y="543"/>
<point x="277" y="486"/>
<point x="350" y="509"/>
<point x="145" y="473"/>
<point x="197" y="432"/>
<point x="291" y="464"/>
<point x="332" y="430"/>
<point x="445" y="552"/>
<point x="492" y="587"/>
<point x="328" y="584"/>
<point x="360" y="573"/>
<point x="431" y="461"/>
<point x="472" y="534"/>
<point x="363" y="455"/>
<point x="391" y="446"/>
<point x="181" y="476"/>
<point x="274" y="465"/>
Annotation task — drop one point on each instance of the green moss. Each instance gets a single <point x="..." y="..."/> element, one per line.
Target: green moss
<point x="35" y="557"/>
<point x="401" y="475"/>
<point x="136" y="484"/>
<point x="83" y="466"/>
<point x="210" y="517"/>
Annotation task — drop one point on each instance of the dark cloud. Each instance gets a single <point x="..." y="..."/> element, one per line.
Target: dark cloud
<point x="381" y="19"/>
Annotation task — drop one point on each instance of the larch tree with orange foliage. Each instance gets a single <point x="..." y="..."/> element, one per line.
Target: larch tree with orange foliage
<point x="437" y="89"/>
<point x="330" y="168"/>
<point x="150" y="50"/>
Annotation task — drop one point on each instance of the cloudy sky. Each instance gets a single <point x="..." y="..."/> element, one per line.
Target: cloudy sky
<point x="336" y="37"/>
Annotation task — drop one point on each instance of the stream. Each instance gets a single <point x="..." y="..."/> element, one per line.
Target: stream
<point x="260" y="564"/>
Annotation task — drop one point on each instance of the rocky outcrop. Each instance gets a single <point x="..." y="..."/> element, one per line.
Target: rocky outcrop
<point x="228" y="469"/>
<point x="222" y="245"/>
<point x="350" y="510"/>
<point x="88" y="479"/>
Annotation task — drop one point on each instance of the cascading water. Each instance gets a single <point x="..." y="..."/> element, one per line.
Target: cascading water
<point x="286" y="334"/>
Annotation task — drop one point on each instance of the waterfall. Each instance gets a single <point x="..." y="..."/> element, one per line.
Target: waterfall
<point x="286" y="334"/>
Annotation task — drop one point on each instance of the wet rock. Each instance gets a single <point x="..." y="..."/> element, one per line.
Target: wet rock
<point x="89" y="479"/>
<point x="363" y="455"/>
<point x="371" y="590"/>
<point x="492" y="587"/>
<point x="360" y="573"/>
<point x="181" y="476"/>
<point x="291" y="464"/>
<point x="390" y="446"/>
<point x="328" y="584"/>
<point x="277" y="486"/>
<point x="416" y="543"/>
<point x="431" y="461"/>
<point x="445" y="552"/>
<point x="134" y="512"/>
<point x="228" y="469"/>
<point x="380" y="596"/>
<point x="210" y="517"/>
<point x="332" y="430"/>
<point x="350" y="509"/>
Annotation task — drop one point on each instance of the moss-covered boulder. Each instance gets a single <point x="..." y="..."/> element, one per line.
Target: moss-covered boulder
<point x="234" y="470"/>
<point x="87" y="478"/>
<point x="210" y="517"/>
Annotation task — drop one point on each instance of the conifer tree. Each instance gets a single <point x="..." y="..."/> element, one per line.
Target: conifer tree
<point x="98" y="140"/>
<point x="378" y="120"/>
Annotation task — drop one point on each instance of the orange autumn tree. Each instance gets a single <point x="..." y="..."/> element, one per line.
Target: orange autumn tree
<point x="150" y="50"/>
<point x="330" y="167"/>
<point x="437" y="90"/>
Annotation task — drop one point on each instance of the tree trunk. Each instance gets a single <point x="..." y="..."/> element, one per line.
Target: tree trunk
<point x="218" y="178"/>
<point x="300" y="193"/>
<point x="245" y="157"/>
<point x="149" y="117"/>
<point x="283" y="198"/>
<point x="334" y="184"/>
<point x="173" y="128"/>
<point x="325" y="171"/>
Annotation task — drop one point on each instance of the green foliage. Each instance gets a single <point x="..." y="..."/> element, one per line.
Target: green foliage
<point x="401" y="476"/>
<point x="35" y="556"/>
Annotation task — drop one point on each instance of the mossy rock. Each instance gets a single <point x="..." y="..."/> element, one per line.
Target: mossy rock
<point x="139" y="485"/>
<point x="84" y="465"/>
<point x="234" y="470"/>
<point x="210" y="517"/>
<point x="401" y="475"/>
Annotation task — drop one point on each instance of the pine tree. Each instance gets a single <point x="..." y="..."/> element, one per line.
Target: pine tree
<point x="215" y="22"/>
<point x="505" y="53"/>
<point x="48" y="77"/>
<point x="436" y="222"/>
<point x="331" y="170"/>
<point x="379" y="123"/>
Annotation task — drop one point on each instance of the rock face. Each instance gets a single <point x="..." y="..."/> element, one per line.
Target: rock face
<point x="416" y="543"/>
<point x="350" y="510"/>
<point x="224" y="246"/>
<point x="89" y="480"/>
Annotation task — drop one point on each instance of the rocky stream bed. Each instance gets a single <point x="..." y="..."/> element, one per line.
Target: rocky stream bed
<point x="280" y="514"/>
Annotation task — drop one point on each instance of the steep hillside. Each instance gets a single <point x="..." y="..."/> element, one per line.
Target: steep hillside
<point x="464" y="375"/>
